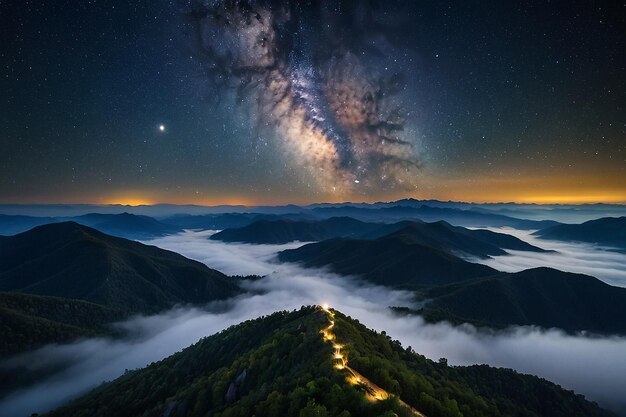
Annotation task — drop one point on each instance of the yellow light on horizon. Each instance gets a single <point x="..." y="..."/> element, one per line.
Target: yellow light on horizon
<point x="133" y="202"/>
<point x="574" y="199"/>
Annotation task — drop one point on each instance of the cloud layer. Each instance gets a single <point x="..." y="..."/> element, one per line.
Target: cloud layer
<point x="609" y="266"/>
<point x="595" y="367"/>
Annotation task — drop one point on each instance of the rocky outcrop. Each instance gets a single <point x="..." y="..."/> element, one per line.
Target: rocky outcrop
<point x="232" y="393"/>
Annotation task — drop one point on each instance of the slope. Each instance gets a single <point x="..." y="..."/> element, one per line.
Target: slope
<point x="29" y="321"/>
<point x="74" y="261"/>
<point x="459" y="240"/>
<point x="280" y="365"/>
<point x="542" y="296"/>
<point x="284" y="230"/>
<point x="395" y="260"/>
<point x="607" y="231"/>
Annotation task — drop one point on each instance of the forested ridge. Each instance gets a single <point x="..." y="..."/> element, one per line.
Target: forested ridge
<point x="279" y="365"/>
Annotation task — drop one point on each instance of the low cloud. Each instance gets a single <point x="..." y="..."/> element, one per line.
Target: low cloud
<point x="595" y="367"/>
<point x="607" y="265"/>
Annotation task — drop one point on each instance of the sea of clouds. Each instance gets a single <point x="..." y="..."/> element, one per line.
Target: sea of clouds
<point x="583" y="258"/>
<point x="593" y="366"/>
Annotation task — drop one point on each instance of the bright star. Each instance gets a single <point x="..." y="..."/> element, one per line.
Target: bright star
<point x="162" y="128"/>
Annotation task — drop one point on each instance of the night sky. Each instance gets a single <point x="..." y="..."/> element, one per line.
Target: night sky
<point x="268" y="101"/>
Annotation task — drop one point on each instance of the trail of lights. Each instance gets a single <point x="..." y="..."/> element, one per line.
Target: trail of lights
<point x="372" y="391"/>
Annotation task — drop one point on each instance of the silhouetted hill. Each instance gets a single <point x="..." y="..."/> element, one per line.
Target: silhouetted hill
<point x="14" y="224"/>
<point x="425" y="213"/>
<point x="279" y="365"/>
<point x="129" y="226"/>
<point x="439" y="235"/>
<point x="395" y="260"/>
<point x="455" y="239"/>
<point x="227" y="220"/>
<point x="608" y="231"/>
<point x="74" y="261"/>
<point x="283" y="231"/>
<point x="542" y="296"/>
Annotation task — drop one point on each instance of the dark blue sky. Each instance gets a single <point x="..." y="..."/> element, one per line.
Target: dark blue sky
<point x="461" y="100"/>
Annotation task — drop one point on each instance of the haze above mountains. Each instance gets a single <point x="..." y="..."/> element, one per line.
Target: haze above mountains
<point x="64" y="278"/>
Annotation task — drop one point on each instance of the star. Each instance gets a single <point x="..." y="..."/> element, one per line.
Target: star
<point x="162" y="128"/>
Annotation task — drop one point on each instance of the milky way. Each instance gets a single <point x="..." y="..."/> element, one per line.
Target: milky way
<point x="326" y="80"/>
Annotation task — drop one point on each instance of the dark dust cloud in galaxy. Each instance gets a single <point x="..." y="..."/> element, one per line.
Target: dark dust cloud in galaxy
<point x="325" y="77"/>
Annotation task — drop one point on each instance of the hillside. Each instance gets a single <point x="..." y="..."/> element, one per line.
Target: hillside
<point x="73" y="261"/>
<point x="542" y="296"/>
<point x="439" y="235"/>
<point x="459" y="240"/>
<point x="280" y="365"/>
<point x="285" y="230"/>
<point x="607" y="231"/>
<point x="29" y="321"/>
<point x="395" y="260"/>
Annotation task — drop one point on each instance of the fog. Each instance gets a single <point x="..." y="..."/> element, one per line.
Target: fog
<point x="604" y="264"/>
<point x="595" y="367"/>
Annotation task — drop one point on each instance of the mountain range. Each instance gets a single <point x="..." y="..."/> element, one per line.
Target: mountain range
<point x="459" y="291"/>
<point x="64" y="280"/>
<point x="130" y="226"/>
<point x="440" y="235"/>
<point x="607" y="231"/>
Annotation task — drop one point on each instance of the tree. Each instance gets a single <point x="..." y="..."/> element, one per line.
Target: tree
<point x="313" y="410"/>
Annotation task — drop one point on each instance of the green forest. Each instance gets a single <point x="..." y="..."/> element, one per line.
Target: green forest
<point x="279" y="365"/>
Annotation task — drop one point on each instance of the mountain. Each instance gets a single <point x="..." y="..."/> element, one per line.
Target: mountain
<point x="29" y="321"/>
<point x="227" y="220"/>
<point x="394" y="260"/>
<point x="14" y="224"/>
<point x="280" y="365"/>
<point x="607" y="231"/>
<point x="459" y="240"/>
<point x="456" y="216"/>
<point x="74" y="261"/>
<point x="440" y="235"/>
<point x="284" y="231"/>
<point x="542" y="296"/>
<point x="130" y="226"/>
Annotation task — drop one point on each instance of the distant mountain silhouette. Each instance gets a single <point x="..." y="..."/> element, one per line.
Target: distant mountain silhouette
<point x="541" y="296"/>
<point x="279" y="365"/>
<point x="14" y="224"/>
<point x="283" y="231"/>
<point x="455" y="239"/>
<point x="74" y="261"/>
<point x="607" y="231"/>
<point x="227" y="220"/>
<point x="426" y="213"/>
<point x="394" y="260"/>
<point x="130" y="226"/>
<point x="440" y="235"/>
